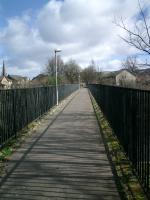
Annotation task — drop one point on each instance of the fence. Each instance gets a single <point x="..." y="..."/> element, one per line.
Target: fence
<point x="128" y="112"/>
<point x="18" y="107"/>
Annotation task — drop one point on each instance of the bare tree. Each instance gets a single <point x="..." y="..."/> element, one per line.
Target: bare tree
<point x="51" y="70"/>
<point x="50" y="66"/>
<point x="88" y="75"/>
<point x="72" y="71"/>
<point x="130" y="64"/>
<point x="139" y="36"/>
<point x="99" y="76"/>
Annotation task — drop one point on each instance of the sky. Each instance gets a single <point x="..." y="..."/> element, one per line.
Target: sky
<point x="30" y="30"/>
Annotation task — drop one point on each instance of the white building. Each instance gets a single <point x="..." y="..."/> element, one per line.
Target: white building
<point x="125" y="78"/>
<point x="5" y="82"/>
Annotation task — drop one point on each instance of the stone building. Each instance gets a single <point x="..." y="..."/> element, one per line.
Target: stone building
<point x="125" y="78"/>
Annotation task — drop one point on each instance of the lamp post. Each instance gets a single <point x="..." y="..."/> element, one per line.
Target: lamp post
<point x="56" y="51"/>
<point x="79" y="80"/>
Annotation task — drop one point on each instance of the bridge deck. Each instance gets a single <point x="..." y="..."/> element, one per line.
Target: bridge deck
<point x="66" y="161"/>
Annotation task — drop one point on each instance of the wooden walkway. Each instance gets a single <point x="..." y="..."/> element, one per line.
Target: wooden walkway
<point x="67" y="160"/>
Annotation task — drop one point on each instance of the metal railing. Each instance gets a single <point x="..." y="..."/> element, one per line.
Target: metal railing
<point x="19" y="107"/>
<point x="128" y="113"/>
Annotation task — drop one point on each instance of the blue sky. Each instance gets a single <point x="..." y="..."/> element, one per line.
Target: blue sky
<point x="30" y="30"/>
<point x="11" y="8"/>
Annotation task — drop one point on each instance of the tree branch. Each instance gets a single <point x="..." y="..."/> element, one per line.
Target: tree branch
<point x="145" y="22"/>
<point x="139" y="37"/>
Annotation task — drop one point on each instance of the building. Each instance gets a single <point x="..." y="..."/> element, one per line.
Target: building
<point x="5" y="82"/>
<point x="40" y="80"/>
<point x="122" y="77"/>
<point x="18" y="81"/>
<point x="125" y="78"/>
<point x="109" y="78"/>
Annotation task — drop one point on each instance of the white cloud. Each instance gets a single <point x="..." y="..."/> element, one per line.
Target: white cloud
<point x="83" y="29"/>
<point x="111" y="65"/>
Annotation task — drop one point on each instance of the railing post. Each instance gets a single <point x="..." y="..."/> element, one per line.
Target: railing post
<point x="128" y="112"/>
<point x="14" y="113"/>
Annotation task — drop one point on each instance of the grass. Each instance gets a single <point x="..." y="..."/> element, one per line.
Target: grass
<point x="127" y="183"/>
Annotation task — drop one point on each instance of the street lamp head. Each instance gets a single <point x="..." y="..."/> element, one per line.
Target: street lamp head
<point x="57" y="50"/>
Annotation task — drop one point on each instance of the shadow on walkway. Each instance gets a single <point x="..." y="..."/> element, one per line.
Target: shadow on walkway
<point x="65" y="161"/>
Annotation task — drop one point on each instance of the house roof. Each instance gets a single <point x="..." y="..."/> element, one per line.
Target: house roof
<point x="17" y="77"/>
<point x="40" y="76"/>
<point x="1" y="78"/>
<point x="121" y="70"/>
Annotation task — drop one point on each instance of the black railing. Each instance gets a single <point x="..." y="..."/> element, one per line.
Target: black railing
<point x="128" y="113"/>
<point x="19" y="107"/>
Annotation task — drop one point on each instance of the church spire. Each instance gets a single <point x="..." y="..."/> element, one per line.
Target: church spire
<point x="3" y="69"/>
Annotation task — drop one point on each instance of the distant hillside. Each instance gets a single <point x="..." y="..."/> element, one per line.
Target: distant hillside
<point x="144" y="71"/>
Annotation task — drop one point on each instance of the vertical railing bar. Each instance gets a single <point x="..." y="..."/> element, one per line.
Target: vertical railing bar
<point x="119" y="105"/>
<point x="26" y="104"/>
